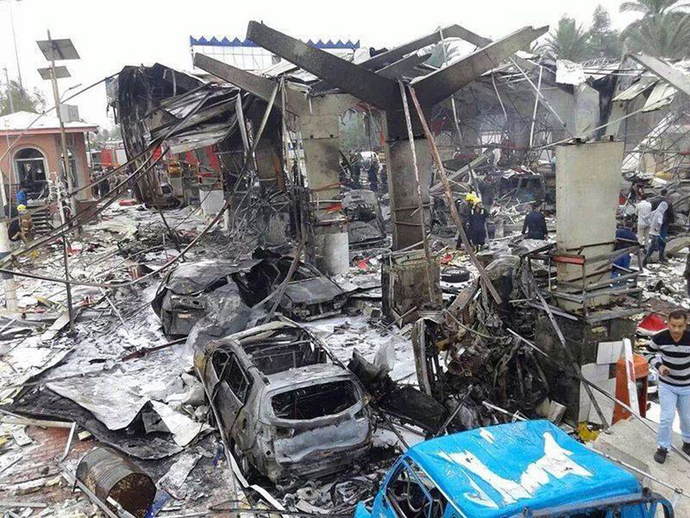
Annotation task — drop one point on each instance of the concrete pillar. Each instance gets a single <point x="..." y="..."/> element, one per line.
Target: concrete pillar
<point x="408" y="281"/>
<point x="587" y="190"/>
<point x="407" y="230"/>
<point x="320" y="128"/>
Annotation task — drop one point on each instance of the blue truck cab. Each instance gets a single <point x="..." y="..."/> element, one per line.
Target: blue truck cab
<point x="525" y="469"/>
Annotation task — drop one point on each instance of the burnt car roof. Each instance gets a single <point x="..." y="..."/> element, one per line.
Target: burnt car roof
<point x="196" y="277"/>
<point x="312" y="291"/>
<point x="309" y="349"/>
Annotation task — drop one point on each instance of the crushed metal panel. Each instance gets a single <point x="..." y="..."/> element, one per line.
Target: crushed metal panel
<point x="569" y="73"/>
<point x="662" y="95"/>
<point x="636" y="89"/>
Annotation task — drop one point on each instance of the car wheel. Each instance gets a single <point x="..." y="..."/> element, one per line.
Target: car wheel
<point x="455" y="275"/>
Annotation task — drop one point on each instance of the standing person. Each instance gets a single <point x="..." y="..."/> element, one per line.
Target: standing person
<point x="644" y="211"/>
<point x="625" y="238"/>
<point x="672" y="360"/>
<point x="373" y="176"/>
<point x="104" y="185"/>
<point x="636" y="191"/>
<point x="22" y="195"/>
<point x="384" y="178"/>
<point x="476" y="228"/>
<point x="656" y="222"/>
<point x="534" y="226"/>
<point x="669" y="219"/>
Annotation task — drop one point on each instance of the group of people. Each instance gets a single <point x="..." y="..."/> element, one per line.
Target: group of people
<point x="377" y="174"/>
<point x="474" y="216"/>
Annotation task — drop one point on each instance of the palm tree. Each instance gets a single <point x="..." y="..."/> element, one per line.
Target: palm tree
<point x="665" y="35"/>
<point x="652" y="7"/>
<point x="569" y="41"/>
<point x="603" y="40"/>
<point x="663" y="31"/>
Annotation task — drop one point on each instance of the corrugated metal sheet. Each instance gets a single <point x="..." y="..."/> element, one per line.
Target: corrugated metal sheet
<point x="636" y="89"/>
<point x="661" y="96"/>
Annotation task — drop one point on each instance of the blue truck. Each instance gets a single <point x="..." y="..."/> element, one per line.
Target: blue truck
<point x="526" y="469"/>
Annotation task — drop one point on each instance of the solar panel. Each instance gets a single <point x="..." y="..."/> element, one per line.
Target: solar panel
<point x="58" y="50"/>
<point x="60" y="73"/>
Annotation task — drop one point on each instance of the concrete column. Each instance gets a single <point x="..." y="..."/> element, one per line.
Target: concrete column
<point x="587" y="189"/>
<point x="269" y="152"/>
<point x="320" y="129"/>
<point x="407" y="230"/>
<point x="406" y="283"/>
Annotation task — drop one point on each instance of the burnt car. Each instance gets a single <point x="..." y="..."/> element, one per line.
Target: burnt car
<point x="193" y="290"/>
<point x="227" y="291"/>
<point x="282" y="407"/>
<point x="365" y="227"/>
<point x="308" y="295"/>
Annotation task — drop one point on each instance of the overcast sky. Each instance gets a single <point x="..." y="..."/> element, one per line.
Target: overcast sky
<point x="111" y="34"/>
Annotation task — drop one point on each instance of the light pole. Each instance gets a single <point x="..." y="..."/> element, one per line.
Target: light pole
<point x="14" y="38"/>
<point x="5" y="246"/>
<point x="61" y="50"/>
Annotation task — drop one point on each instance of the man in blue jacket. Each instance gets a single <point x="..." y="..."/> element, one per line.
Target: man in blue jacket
<point x="22" y="196"/>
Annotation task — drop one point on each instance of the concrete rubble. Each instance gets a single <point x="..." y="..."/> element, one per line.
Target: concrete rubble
<point x="260" y="318"/>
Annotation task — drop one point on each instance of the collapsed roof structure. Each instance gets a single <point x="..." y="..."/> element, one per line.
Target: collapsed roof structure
<point x="515" y="329"/>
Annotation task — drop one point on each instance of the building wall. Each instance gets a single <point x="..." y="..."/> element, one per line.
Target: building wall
<point x="49" y="145"/>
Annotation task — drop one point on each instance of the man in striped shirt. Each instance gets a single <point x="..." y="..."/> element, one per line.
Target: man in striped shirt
<point x="672" y="360"/>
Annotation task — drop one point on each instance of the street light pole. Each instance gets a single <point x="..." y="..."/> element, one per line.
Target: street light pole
<point x="63" y="136"/>
<point x="16" y="51"/>
<point x="68" y="176"/>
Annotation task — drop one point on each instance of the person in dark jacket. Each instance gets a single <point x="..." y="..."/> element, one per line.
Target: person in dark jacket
<point x="625" y="238"/>
<point x="669" y="219"/>
<point x="476" y="227"/>
<point x="534" y="226"/>
<point x="373" y="176"/>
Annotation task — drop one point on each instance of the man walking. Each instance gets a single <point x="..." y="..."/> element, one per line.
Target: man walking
<point x="534" y="226"/>
<point x="656" y="221"/>
<point x="672" y="360"/>
<point x="644" y="211"/>
<point x="669" y="219"/>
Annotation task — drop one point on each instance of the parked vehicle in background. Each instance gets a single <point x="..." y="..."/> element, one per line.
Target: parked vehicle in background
<point x="309" y="294"/>
<point x="365" y="227"/>
<point x="530" y="468"/>
<point x="283" y="407"/>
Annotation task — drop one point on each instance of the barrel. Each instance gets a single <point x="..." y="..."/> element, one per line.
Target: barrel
<point x="111" y="476"/>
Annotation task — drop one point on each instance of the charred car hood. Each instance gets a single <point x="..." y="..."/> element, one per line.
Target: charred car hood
<point x="312" y="291"/>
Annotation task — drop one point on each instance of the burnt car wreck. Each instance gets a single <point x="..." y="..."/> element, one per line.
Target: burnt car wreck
<point x="308" y="294"/>
<point x="284" y="408"/>
<point x="227" y="290"/>
<point x="365" y="225"/>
